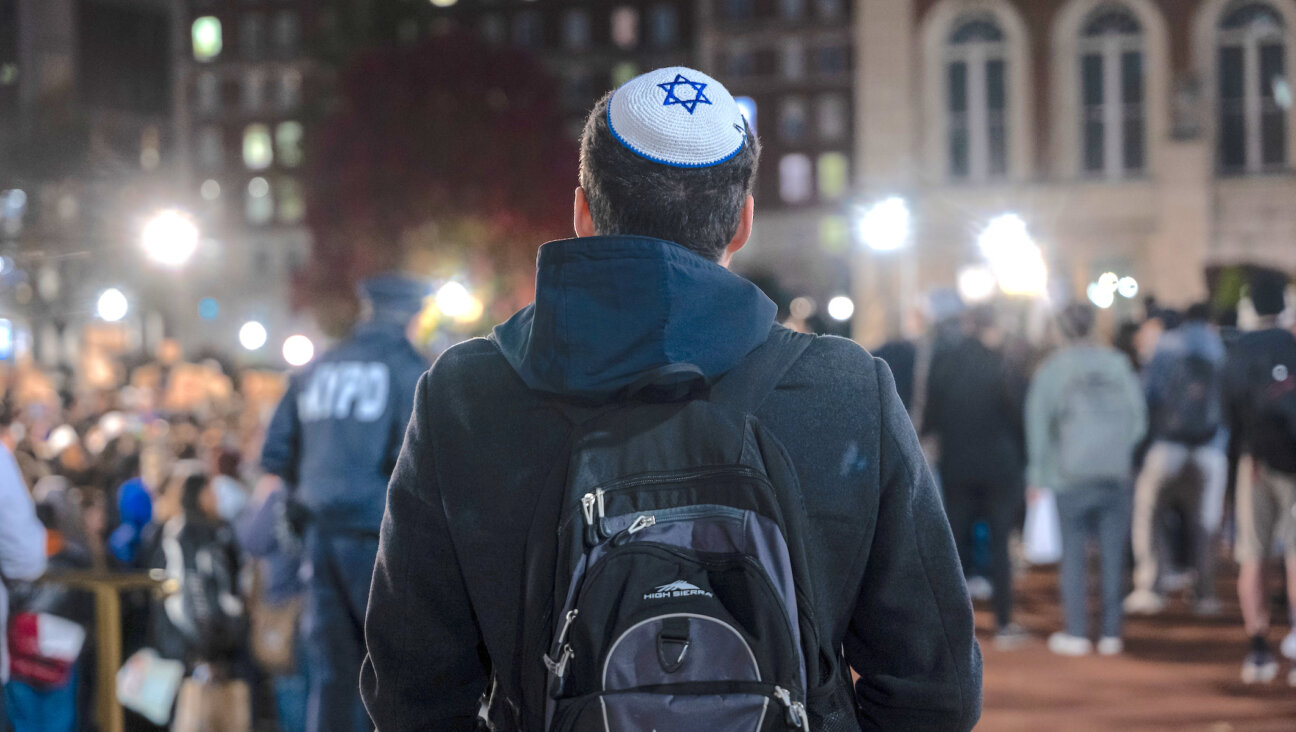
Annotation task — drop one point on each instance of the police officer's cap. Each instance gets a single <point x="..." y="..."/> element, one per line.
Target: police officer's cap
<point x="394" y="295"/>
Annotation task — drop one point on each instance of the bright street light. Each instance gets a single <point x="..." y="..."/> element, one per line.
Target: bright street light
<point x="1128" y="287"/>
<point x="1100" y="295"/>
<point x="252" y="335"/>
<point x="112" y="305"/>
<point x="841" y="308"/>
<point x="298" y="350"/>
<point x="1016" y="262"/>
<point x="456" y="302"/>
<point x="884" y="227"/>
<point x="976" y="283"/>
<point x="170" y="238"/>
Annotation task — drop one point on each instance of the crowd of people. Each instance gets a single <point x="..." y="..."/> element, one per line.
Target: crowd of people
<point x="1169" y="445"/>
<point x="375" y="544"/>
<point x="114" y="482"/>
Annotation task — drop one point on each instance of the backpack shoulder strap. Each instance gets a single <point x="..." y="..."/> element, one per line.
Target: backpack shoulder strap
<point x="746" y="385"/>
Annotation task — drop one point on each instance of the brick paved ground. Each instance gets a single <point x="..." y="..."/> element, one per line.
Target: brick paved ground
<point x="1179" y="673"/>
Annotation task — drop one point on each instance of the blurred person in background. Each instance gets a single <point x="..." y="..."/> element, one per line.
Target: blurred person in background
<point x="334" y="440"/>
<point x="22" y="551"/>
<point x="207" y="616"/>
<point x="1183" y="384"/>
<point x="1085" y="415"/>
<point x="275" y="601"/>
<point x="1261" y="389"/>
<point x="43" y="692"/>
<point x="973" y="408"/>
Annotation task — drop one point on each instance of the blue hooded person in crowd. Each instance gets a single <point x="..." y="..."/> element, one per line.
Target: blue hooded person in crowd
<point x="334" y="440"/>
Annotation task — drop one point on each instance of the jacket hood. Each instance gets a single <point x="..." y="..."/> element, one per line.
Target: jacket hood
<point x="609" y="309"/>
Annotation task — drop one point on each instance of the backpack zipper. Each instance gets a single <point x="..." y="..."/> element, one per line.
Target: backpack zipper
<point x="796" y="711"/>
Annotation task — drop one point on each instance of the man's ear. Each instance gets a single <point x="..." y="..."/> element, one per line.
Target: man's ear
<point x="743" y="233"/>
<point x="582" y="222"/>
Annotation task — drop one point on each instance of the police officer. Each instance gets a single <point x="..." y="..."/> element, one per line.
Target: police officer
<point x="334" y="440"/>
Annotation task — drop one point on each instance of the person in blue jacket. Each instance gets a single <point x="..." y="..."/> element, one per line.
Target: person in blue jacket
<point x="334" y="439"/>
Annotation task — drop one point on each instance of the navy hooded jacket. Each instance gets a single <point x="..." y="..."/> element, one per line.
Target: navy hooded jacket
<point x="485" y="434"/>
<point x="335" y="436"/>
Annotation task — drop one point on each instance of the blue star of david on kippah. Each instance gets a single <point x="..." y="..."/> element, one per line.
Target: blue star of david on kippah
<point x="689" y="104"/>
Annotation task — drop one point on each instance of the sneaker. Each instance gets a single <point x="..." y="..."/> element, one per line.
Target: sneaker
<point x="1069" y="645"/>
<point x="1288" y="647"/>
<point x="1260" y="667"/>
<point x="1111" y="646"/>
<point x="1144" y="602"/>
<point x="1207" y="607"/>
<point x="980" y="588"/>
<point x="1011" y="637"/>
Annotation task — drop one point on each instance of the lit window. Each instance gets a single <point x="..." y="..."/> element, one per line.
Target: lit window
<point x="625" y="27"/>
<point x="623" y="72"/>
<point x="289" y="94"/>
<point x="792" y="119"/>
<point x="834" y="234"/>
<point x="207" y="93"/>
<point x="258" y="204"/>
<point x="291" y="203"/>
<point x="257" y="151"/>
<point x="830" y="9"/>
<point x="795" y="185"/>
<point x="977" y="100"/>
<point x="254" y="83"/>
<point x="528" y="29"/>
<point x="792" y="9"/>
<point x="251" y="37"/>
<point x="834" y="176"/>
<point x="1111" y="93"/>
<point x="793" y="59"/>
<point x="287" y="32"/>
<point x="210" y="148"/>
<point x="1254" y="92"/>
<point x="576" y="29"/>
<point x="664" y="26"/>
<point x="288" y="144"/>
<point x="833" y="118"/>
<point x="206" y="38"/>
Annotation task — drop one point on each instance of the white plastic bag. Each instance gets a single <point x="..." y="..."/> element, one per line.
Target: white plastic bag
<point x="1042" y="535"/>
<point x="148" y="683"/>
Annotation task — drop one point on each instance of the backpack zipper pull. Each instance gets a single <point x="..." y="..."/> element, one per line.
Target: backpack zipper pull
<point x="796" y="711"/>
<point x="587" y="506"/>
<point x="640" y="523"/>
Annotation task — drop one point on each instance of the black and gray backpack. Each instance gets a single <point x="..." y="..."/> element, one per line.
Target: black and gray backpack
<point x="677" y="594"/>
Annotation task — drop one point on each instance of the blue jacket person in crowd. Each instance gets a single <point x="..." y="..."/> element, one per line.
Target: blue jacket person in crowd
<point x="334" y="440"/>
<point x="645" y="285"/>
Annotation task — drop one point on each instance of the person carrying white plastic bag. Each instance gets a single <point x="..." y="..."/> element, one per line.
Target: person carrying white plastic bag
<point x="1084" y="415"/>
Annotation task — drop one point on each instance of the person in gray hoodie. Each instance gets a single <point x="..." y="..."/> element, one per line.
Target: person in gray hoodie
<point x="1084" y="416"/>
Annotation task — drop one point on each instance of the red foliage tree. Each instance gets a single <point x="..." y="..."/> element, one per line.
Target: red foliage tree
<point x="447" y="155"/>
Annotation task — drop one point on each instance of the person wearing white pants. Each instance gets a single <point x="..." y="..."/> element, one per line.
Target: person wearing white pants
<point x="1184" y="387"/>
<point x="1166" y="461"/>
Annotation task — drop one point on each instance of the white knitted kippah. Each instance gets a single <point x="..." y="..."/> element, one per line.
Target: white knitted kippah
<point x="677" y="116"/>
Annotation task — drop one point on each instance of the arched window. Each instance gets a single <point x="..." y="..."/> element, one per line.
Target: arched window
<point x="1112" y="94"/>
<point x="977" y="99"/>
<point x="1253" y="89"/>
